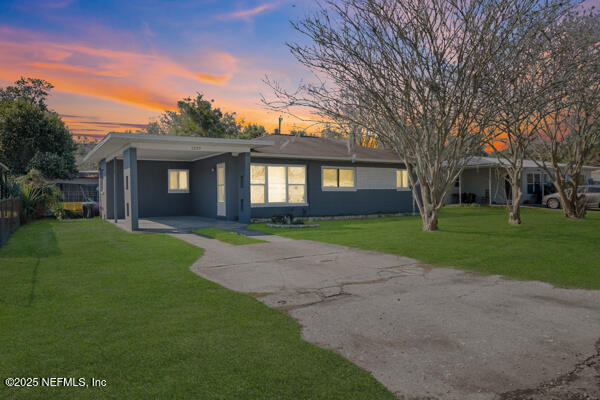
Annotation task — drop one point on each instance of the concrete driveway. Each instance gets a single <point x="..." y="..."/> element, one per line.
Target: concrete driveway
<point x="423" y="332"/>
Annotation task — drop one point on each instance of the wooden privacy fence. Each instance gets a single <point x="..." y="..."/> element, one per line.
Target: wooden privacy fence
<point x="10" y="217"/>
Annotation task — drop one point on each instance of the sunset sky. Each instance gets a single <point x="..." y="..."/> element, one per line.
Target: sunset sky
<point x="116" y="65"/>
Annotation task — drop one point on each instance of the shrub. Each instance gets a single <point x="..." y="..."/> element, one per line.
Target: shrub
<point x="37" y="195"/>
<point x="58" y="211"/>
<point x="286" y="219"/>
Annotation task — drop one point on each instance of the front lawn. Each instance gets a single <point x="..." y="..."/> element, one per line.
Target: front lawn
<point x="226" y="236"/>
<point x="84" y="299"/>
<point x="546" y="247"/>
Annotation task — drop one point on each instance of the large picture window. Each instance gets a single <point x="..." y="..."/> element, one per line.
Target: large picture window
<point x="402" y="179"/>
<point x="179" y="180"/>
<point x="334" y="178"/>
<point x="277" y="184"/>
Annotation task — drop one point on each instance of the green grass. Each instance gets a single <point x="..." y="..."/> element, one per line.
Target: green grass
<point x="546" y="247"/>
<point x="226" y="236"/>
<point x="82" y="298"/>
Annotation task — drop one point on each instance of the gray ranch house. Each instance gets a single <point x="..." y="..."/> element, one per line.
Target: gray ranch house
<point x="145" y="176"/>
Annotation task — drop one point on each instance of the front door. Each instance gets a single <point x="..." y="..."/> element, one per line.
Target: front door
<point x="221" y="208"/>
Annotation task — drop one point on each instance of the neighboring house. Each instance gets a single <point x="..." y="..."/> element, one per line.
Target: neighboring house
<point x="596" y="175"/>
<point x="82" y="188"/>
<point x="484" y="181"/>
<point x="145" y="176"/>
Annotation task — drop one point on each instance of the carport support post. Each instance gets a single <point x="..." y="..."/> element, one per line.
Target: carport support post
<point x="115" y="209"/>
<point x="244" y="211"/>
<point x="460" y="188"/>
<point x="130" y="188"/>
<point x="490" y="185"/>
<point x="102" y="179"/>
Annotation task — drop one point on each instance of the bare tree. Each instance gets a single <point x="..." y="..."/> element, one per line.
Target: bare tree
<point x="516" y="92"/>
<point x="570" y="129"/>
<point x="410" y="72"/>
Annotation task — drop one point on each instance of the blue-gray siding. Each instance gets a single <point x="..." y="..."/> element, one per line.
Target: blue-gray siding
<point x="203" y="179"/>
<point x="362" y="201"/>
<point x="110" y="189"/>
<point x="154" y="200"/>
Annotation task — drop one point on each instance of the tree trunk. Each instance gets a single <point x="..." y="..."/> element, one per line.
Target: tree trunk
<point x="514" y="208"/>
<point x="430" y="218"/>
<point x="514" y="215"/>
<point x="573" y="205"/>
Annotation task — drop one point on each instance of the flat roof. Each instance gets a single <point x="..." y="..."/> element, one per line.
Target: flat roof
<point x="167" y="148"/>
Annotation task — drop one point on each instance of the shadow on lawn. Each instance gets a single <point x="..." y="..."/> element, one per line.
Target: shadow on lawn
<point x="39" y="244"/>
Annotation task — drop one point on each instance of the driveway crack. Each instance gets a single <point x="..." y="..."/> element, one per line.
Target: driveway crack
<point x="564" y="386"/>
<point x="266" y="260"/>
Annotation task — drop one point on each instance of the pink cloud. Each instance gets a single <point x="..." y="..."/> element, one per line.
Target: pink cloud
<point x="246" y="14"/>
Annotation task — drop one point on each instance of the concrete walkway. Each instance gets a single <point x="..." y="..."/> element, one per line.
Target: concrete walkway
<point x="423" y="332"/>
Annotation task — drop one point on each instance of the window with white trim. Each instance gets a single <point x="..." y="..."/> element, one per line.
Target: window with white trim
<point x="402" y="179"/>
<point x="534" y="182"/>
<point x="179" y="181"/>
<point x="277" y="184"/>
<point x="337" y="178"/>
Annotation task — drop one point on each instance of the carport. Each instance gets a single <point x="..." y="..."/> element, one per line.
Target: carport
<point x="148" y="176"/>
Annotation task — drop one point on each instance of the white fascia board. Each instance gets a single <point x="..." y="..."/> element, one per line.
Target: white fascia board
<point x="192" y="146"/>
<point x="137" y="137"/>
<point x="96" y="148"/>
<point x="120" y="141"/>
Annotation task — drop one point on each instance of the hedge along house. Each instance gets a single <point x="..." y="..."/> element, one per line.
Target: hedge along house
<point x="146" y="176"/>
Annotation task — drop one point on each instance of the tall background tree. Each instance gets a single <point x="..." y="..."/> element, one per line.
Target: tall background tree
<point x="252" y="131"/>
<point x="197" y="117"/>
<point x="570" y="131"/>
<point x="31" y="136"/>
<point x="410" y="72"/>
<point x="33" y="90"/>
<point x="516" y="94"/>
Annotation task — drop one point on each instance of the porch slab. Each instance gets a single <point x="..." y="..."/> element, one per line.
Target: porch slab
<point x="182" y="224"/>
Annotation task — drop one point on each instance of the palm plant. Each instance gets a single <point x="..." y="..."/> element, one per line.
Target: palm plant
<point x="37" y="195"/>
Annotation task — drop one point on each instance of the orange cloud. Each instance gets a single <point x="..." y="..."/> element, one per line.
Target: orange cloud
<point x="72" y="68"/>
<point x="147" y="80"/>
<point x="92" y="128"/>
<point x="216" y="79"/>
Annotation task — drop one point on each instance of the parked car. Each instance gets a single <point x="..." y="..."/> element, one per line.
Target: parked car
<point x="591" y="193"/>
